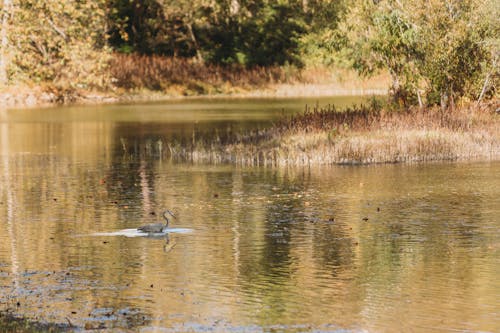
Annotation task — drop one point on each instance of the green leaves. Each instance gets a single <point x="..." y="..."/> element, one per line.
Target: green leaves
<point x="435" y="47"/>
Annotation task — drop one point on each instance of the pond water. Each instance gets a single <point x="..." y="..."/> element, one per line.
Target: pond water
<point x="385" y="248"/>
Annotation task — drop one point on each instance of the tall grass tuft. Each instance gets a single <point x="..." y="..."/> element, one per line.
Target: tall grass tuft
<point x="358" y="135"/>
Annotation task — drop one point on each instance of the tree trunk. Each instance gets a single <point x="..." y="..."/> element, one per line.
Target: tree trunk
<point x="420" y="103"/>
<point x="487" y="80"/>
<point x="397" y="97"/>
<point x="444" y="101"/>
<point x="195" y="42"/>
<point x="4" y="41"/>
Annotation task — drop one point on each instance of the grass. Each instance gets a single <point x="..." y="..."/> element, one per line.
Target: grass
<point x="181" y="76"/>
<point x="360" y="135"/>
<point x="142" y="77"/>
<point x="186" y="77"/>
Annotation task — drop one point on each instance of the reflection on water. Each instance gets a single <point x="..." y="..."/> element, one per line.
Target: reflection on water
<point x="379" y="248"/>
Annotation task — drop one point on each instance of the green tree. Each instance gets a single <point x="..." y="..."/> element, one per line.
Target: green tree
<point x="252" y="32"/>
<point x="272" y="36"/>
<point x="454" y="44"/>
<point x="381" y="36"/>
<point x="321" y="38"/>
<point x="433" y="46"/>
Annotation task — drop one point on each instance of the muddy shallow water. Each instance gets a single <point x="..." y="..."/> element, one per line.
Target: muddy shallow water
<point x="385" y="248"/>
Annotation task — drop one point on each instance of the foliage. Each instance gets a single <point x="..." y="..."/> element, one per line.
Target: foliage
<point x="62" y="42"/>
<point x="271" y="36"/>
<point x="226" y="32"/>
<point x="322" y="38"/>
<point x="436" y="51"/>
<point x="437" y="47"/>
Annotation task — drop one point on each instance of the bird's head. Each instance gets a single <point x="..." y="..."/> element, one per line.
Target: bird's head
<point x="166" y="213"/>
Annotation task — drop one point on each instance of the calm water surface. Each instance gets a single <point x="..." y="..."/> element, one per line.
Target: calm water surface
<point x="391" y="248"/>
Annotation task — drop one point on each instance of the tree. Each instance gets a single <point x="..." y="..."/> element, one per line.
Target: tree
<point x="379" y="35"/>
<point x="165" y="27"/>
<point x="258" y="33"/>
<point x="253" y="32"/>
<point x="5" y="14"/>
<point x="321" y="38"/>
<point x="453" y="42"/>
<point x="434" y="46"/>
<point x="61" y="42"/>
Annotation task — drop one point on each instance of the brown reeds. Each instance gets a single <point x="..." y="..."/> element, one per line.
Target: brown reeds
<point x="359" y="136"/>
<point x="188" y="77"/>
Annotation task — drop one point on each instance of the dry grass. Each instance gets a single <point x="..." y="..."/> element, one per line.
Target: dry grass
<point x="359" y="136"/>
<point x="187" y="77"/>
<point x="179" y="76"/>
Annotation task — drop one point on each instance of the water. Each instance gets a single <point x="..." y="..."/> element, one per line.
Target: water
<point x="385" y="248"/>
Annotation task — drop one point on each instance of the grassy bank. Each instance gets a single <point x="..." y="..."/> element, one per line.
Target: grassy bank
<point x="155" y="75"/>
<point x="363" y="135"/>
<point x="142" y="78"/>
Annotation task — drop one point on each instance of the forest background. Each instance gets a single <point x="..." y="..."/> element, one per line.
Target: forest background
<point x="434" y="51"/>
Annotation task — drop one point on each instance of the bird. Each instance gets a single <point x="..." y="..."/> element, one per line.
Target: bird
<point x="156" y="228"/>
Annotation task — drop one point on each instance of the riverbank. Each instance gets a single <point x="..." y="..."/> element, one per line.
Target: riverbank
<point x="364" y="135"/>
<point x="136" y="78"/>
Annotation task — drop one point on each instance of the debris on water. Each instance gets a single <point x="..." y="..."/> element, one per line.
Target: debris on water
<point x="365" y="219"/>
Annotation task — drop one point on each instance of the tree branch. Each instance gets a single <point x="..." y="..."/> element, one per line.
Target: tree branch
<point x="58" y="30"/>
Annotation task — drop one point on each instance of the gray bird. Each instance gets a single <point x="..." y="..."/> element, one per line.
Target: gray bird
<point x="156" y="228"/>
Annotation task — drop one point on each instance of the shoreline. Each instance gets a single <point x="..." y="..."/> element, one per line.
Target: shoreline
<point x="339" y="83"/>
<point x="40" y="99"/>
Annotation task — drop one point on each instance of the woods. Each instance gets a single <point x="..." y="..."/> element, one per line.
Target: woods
<point x="436" y="52"/>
